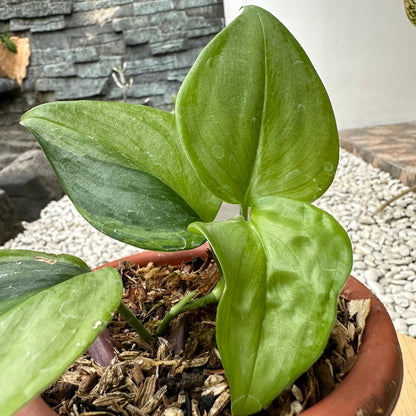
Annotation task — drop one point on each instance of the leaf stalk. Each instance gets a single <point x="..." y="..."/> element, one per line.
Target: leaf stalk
<point x="187" y="304"/>
<point x="135" y="323"/>
<point x="244" y="211"/>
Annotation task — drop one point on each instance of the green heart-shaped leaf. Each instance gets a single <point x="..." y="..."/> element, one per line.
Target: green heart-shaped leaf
<point x="124" y="168"/>
<point x="24" y="272"/>
<point x="49" y="316"/>
<point x="255" y="117"/>
<point x="283" y="272"/>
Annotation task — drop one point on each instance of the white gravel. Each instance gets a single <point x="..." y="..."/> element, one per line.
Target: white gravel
<point x="384" y="244"/>
<point x="61" y="229"/>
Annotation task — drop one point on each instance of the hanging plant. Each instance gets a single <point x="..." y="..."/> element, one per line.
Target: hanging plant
<point x="10" y="45"/>
<point x="410" y="7"/>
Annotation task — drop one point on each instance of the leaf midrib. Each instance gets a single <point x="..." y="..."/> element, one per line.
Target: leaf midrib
<point x="120" y="159"/>
<point x="260" y="134"/>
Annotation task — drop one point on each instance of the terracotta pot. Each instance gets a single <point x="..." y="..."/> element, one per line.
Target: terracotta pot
<point x="371" y="388"/>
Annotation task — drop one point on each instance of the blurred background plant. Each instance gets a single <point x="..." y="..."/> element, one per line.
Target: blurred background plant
<point x="121" y="81"/>
<point x="10" y="45"/>
<point x="410" y="7"/>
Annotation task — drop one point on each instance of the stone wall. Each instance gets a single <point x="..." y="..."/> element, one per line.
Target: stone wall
<point x="75" y="44"/>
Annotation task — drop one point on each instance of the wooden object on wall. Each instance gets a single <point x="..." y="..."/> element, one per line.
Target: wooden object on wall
<point x="14" y="65"/>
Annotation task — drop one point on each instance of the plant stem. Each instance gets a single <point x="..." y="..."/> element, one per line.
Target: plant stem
<point x="244" y="210"/>
<point x="412" y="189"/>
<point x="145" y="335"/>
<point x="187" y="304"/>
<point x="174" y="312"/>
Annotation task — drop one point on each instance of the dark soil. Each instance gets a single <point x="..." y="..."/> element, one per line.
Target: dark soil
<point x="181" y="373"/>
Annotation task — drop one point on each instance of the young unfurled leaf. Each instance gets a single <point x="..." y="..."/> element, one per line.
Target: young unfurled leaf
<point x="283" y="272"/>
<point x="51" y="309"/>
<point x="259" y="129"/>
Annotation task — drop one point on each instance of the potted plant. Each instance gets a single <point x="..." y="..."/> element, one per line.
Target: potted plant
<point x="253" y="126"/>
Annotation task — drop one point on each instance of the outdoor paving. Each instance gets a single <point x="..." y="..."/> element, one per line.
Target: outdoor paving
<point x="391" y="148"/>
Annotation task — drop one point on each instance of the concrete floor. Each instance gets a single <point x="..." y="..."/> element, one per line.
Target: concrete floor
<point x="391" y="148"/>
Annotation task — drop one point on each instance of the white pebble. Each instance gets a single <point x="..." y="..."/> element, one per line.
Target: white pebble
<point x="404" y="274"/>
<point x="410" y="287"/>
<point x="367" y="220"/>
<point x="411" y="321"/>
<point x="404" y="251"/>
<point x="399" y="282"/>
<point x="402" y="301"/>
<point x="412" y="331"/>
<point x="386" y="299"/>
<point x="375" y="287"/>
<point x="370" y="274"/>
<point x="400" y="325"/>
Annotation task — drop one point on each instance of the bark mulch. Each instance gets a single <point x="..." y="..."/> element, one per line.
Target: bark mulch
<point x="180" y="374"/>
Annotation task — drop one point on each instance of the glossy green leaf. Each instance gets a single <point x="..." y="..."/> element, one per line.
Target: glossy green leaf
<point x="124" y="168"/>
<point x="49" y="324"/>
<point x="255" y="118"/>
<point x="23" y="272"/>
<point x="283" y="272"/>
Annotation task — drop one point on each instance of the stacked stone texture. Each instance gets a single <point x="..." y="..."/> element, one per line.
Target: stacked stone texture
<point x="75" y="45"/>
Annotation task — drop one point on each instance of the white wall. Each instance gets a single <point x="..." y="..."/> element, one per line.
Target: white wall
<point x="364" y="51"/>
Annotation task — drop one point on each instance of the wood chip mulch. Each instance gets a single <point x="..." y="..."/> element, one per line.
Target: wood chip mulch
<point x="181" y="374"/>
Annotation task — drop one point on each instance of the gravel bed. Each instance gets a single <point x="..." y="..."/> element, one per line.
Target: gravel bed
<point x="384" y="244"/>
<point x="61" y="229"/>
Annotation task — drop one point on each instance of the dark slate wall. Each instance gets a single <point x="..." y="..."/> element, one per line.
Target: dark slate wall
<point x="75" y="45"/>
